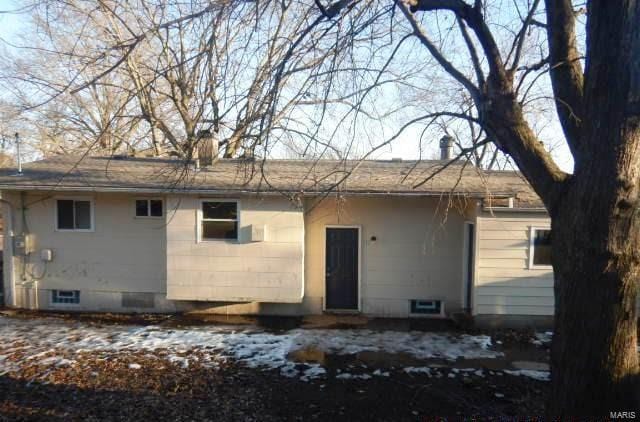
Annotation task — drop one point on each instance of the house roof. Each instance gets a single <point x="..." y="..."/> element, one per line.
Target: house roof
<point x="309" y="177"/>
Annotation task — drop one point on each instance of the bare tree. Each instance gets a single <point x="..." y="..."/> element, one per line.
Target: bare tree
<point x="154" y="76"/>
<point x="593" y="210"/>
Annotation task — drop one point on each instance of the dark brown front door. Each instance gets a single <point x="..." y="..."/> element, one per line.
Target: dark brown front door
<point x="341" y="268"/>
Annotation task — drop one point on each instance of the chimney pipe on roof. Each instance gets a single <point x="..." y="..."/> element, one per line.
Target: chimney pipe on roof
<point x="446" y="147"/>
<point x="207" y="148"/>
<point x="19" y="155"/>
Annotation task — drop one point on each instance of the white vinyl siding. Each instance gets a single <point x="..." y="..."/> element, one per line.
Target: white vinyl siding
<point x="505" y="282"/>
<point x="236" y="270"/>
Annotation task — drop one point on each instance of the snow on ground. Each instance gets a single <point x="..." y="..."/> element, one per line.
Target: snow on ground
<point x="50" y="341"/>
<point x="542" y="338"/>
<point x="536" y="375"/>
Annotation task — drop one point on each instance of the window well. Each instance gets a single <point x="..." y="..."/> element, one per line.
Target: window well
<point x="68" y="297"/>
<point x="427" y="307"/>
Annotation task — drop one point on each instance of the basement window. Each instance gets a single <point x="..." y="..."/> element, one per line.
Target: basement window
<point x="219" y="220"/>
<point x="149" y="208"/>
<point x="74" y="215"/>
<point x="426" y="307"/>
<point x="540" y="248"/>
<point x="65" y="297"/>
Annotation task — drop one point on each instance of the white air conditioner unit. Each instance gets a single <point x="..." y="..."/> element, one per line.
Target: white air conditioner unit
<point x="258" y="233"/>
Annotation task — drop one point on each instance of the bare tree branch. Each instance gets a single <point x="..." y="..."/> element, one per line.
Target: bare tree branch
<point x="566" y="70"/>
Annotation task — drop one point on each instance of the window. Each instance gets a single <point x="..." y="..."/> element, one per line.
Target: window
<point x="540" y="248"/>
<point x="66" y="297"/>
<point x="74" y="214"/>
<point x="429" y="307"/>
<point x="219" y="220"/>
<point x="149" y="208"/>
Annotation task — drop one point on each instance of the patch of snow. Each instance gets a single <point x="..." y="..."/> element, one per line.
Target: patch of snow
<point x="179" y="360"/>
<point x="134" y="366"/>
<point x="536" y="375"/>
<point x="542" y="338"/>
<point x="418" y="370"/>
<point x="52" y="360"/>
<point x="26" y="340"/>
<point x="315" y="371"/>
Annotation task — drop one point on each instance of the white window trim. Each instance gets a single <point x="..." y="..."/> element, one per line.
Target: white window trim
<point x="74" y="198"/>
<point x="200" y="219"/>
<point x="145" y="217"/>
<point x="532" y="266"/>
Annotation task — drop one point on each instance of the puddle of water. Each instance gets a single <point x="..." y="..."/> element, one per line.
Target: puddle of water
<point x="385" y="360"/>
<point x="308" y="355"/>
<point x="533" y="366"/>
<point x="490" y="364"/>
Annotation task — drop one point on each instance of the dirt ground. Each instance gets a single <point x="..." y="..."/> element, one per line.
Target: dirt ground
<point x="107" y="389"/>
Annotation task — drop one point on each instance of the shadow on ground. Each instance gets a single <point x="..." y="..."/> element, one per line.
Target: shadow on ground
<point x="111" y="392"/>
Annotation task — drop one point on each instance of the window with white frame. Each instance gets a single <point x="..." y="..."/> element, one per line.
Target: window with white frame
<point x="540" y="248"/>
<point x="149" y="208"/>
<point x="74" y="214"/>
<point x="65" y="297"/>
<point x="219" y="220"/>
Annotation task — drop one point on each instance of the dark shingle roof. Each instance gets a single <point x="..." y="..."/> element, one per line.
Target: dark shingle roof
<point x="64" y="173"/>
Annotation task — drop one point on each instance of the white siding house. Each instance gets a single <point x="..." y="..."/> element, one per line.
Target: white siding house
<point x="289" y="238"/>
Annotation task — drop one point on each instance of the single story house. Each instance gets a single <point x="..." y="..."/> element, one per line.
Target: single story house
<point x="282" y="237"/>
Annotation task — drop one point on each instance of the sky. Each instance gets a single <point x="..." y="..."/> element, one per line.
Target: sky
<point x="405" y="147"/>
<point x="9" y="23"/>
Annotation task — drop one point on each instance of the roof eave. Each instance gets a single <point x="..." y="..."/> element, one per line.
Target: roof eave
<point x="116" y="189"/>
<point x="515" y="209"/>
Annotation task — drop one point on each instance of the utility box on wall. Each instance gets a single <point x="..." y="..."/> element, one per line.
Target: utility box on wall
<point x="258" y="233"/>
<point x="46" y="255"/>
<point x="23" y="244"/>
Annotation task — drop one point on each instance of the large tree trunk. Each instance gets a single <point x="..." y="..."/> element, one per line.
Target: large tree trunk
<point x="596" y="229"/>
<point x="594" y="353"/>
<point x="594" y="211"/>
